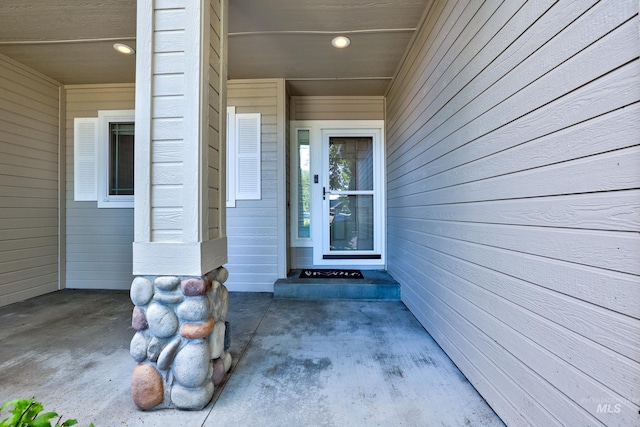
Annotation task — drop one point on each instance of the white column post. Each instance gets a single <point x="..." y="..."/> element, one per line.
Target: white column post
<point x="180" y="104"/>
<point x="180" y="241"/>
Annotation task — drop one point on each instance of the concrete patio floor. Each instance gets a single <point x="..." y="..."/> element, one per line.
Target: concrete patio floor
<point x="296" y="363"/>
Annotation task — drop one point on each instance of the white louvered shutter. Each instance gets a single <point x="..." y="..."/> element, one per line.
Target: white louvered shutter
<point x="248" y="157"/>
<point x="231" y="157"/>
<point x="85" y="154"/>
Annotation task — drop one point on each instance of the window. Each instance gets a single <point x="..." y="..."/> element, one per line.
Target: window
<point x="116" y="135"/>
<point x="103" y="159"/>
<point x="301" y="180"/>
<point x="120" y="171"/>
<point x="304" y="185"/>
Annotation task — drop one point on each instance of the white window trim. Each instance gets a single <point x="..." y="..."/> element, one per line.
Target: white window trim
<point x="105" y="117"/>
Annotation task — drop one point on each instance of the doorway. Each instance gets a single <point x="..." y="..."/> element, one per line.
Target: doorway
<point x="338" y="177"/>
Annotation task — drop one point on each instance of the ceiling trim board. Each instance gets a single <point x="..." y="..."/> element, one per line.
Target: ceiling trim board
<point x="323" y="79"/>
<point x="318" y="32"/>
<point x="70" y="41"/>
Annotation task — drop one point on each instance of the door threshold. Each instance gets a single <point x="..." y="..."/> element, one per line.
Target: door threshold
<point x="351" y="256"/>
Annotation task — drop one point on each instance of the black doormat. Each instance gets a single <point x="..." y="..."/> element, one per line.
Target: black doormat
<point x="330" y="274"/>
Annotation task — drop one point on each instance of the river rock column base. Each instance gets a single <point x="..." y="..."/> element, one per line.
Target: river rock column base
<point x="181" y="339"/>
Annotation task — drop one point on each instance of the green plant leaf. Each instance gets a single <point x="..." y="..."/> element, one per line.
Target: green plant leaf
<point x="11" y="402"/>
<point x="41" y="423"/>
<point x="27" y="413"/>
<point x="18" y="404"/>
<point x="34" y="409"/>
<point x="43" y="419"/>
<point x="46" y="416"/>
<point x="23" y="411"/>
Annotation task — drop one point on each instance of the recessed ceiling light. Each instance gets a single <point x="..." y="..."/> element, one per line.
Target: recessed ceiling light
<point x="124" y="49"/>
<point x="341" y="42"/>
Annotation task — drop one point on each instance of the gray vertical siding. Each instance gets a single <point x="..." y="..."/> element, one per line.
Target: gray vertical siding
<point x="514" y="204"/>
<point x="29" y="148"/>
<point x="99" y="241"/>
<point x="253" y="230"/>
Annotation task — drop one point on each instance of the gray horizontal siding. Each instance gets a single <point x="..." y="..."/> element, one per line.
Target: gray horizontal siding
<point x="253" y="229"/>
<point x="99" y="241"/>
<point x="302" y="257"/>
<point x="29" y="117"/>
<point x="216" y="103"/>
<point x="513" y="202"/>
<point x="336" y="108"/>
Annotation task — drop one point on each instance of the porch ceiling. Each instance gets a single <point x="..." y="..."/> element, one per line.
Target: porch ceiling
<point x="71" y="41"/>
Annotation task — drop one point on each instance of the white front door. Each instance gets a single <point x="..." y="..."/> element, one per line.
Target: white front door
<point x="337" y="203"/>
<point x="352" y="189"/>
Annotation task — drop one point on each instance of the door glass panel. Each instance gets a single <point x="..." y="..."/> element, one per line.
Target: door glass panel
<point x="350" y="222"/>
<point x="304" y="186"/>
<point x="351" y="163"/>
<point x="350" y="215"/>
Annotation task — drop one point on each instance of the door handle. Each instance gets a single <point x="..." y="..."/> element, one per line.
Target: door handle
<point x="324" y="193"/>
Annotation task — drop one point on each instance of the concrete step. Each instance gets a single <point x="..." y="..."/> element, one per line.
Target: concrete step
<point x="376" y="285"/>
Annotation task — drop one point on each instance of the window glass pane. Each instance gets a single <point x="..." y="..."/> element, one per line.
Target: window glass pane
<point x="351" y="223"/>
<point x="121" y="152"/>
<point x="304" y="185"/>
<point x="351" y="163"/>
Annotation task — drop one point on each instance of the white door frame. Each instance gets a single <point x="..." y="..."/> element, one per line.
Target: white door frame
<point x="319" y="132"/>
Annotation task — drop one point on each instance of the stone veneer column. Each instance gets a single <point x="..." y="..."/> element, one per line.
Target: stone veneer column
<point x="181" y="341"/>
<point x="180" y="239"/>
